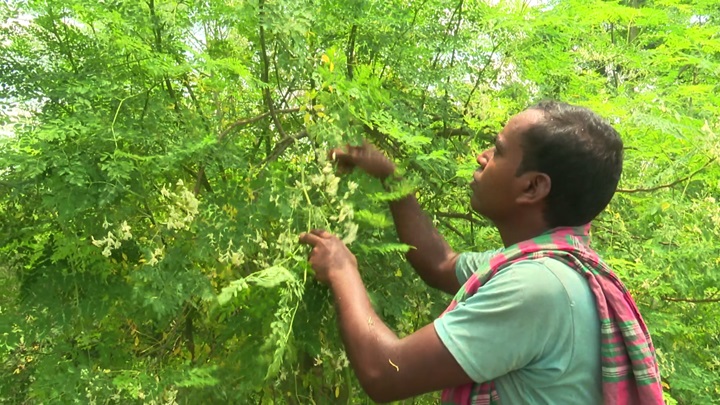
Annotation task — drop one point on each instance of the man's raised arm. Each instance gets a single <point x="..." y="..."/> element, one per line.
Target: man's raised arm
<point x="431" y="256"/>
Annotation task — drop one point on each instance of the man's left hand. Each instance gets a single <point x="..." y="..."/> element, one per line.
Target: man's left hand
<point x="329" y="256"/>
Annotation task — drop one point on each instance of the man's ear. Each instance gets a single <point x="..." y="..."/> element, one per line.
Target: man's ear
<point x="536" y="186"/>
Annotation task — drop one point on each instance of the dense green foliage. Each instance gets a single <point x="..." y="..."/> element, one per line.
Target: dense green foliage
<point x="164" y="156"/>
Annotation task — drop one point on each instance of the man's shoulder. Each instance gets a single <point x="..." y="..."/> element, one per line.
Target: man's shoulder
<point x="533" y="270"/>
<point x="540" y="273"/>
<point x="541" y="279"/>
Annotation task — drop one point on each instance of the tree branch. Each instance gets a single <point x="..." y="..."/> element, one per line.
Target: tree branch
<point x="246" y="121"/>
<point x="275" y="65"/>
<point x="454" y="34"/>
<point x="156" y="26"/>
<point x="399" y="38"/>
<point x="448" y="30"/>
<point x="456" y="215"/>
<point x="202" y="180"/>
<point x="351" y="51"/>
<point x="63" y="46"/>
<point x="189" y="332"/>
<point x="452" y="228"/>
<point x="264" y="75"/>
<point x="450" y="132"/>
<point x="281" y="146"/>
<point x="678" y="181"/>
<point x="480" y="76"/>
<point x="200" y="177"/>
<point x="198" y="107"/>
<point x="693" y="300"/>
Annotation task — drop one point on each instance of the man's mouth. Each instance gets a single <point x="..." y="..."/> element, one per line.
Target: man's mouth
<point x="474" y="180"/>
<point x="476" y="175"/>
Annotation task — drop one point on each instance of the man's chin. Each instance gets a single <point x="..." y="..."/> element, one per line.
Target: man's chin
<point x="477" y="207"/>
<point x="475" y="204"/>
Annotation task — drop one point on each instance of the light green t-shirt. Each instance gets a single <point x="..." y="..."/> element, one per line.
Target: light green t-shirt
<point x="533" y="329"/>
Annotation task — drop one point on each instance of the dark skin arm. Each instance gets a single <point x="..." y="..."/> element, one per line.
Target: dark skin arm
<point x="388" y="368"/>
<point x="432" y="258"/>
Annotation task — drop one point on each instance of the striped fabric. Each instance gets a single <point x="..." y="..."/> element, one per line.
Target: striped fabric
<point x="630" y="373"/>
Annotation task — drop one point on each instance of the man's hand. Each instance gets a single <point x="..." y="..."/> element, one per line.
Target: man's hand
<point x="367" y="157"/>
<point x="329" y="256"/>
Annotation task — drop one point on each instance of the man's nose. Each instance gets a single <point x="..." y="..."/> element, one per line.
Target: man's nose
<point x="484" y="157"/>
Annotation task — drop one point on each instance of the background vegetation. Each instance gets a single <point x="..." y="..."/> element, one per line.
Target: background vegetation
<point x="160" y="157"/>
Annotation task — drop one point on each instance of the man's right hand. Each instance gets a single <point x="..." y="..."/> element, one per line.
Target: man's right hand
<point x="432" y="257"/>
<point x="367" y="157"/>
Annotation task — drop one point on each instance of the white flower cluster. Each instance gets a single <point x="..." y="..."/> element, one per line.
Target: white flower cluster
<point x="345" y="217"/>
<point x="337" y="360"/>
<point x="263" y="259"/>
<point x="114" y="238"/>
<point x="345" y="212"/>
<point x="328" y="179"/>
<point x="156" y="255"/>
<point x="183" y="207"/>
<point x="236" y="257"/>
<point x="713" y="211"/>
<point x="286" y="241"/>
<point x="333" y="212"/>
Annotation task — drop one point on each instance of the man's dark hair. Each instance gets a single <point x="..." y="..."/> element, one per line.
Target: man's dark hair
<point x="583" y="156"/>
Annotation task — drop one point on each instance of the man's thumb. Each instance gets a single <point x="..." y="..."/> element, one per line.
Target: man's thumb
<point x="345" y="161"/>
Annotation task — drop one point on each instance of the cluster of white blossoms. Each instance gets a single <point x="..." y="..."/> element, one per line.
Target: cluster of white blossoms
<point x="230" y="255"/>
<point x="337" y="360"/>
<point x="328" y="180"/>
<point x="713" y="211"/>
<point x="344" y="212"/>
<point x="286" y="241"/>
<point x="114" y="238"/>
<point x="183" y="207"/>
<point x="236" y="256"/>
<point x="156" y="255"/>
<point x="333" y="212"/>
<point x="263" y="257"/>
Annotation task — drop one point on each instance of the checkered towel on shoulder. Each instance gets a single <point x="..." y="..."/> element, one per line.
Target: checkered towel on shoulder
<point x="630" y="372"/>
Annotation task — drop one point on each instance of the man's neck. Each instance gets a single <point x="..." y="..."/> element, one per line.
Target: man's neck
<point x="513" y="232"/>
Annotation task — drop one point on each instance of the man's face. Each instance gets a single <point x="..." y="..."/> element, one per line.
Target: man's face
<point x="495" y="186"/>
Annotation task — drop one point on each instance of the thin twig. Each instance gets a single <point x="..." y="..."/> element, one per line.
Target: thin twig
<point x="281" y="146"/>
<point x="480" y="76"/>
<point x="397" y="41"/>
<point x="456" y="215"/>
<point x="351" y="51"/>
<point x="453" y="229"/>
<point x="264" y="75"/>
<point x="448" y="30"/>
<point x="246" y="121"/>
<point x="676" y="182"/>
<point x="692" y="300"/>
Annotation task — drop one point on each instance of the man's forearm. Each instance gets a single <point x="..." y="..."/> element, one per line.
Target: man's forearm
<point x="430" y="251"/>
<point x="368" y="341"/>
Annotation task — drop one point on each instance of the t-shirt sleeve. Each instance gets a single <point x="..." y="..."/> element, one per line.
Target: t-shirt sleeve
<point x="507" y="323"/>
<point x="470" y="262"/>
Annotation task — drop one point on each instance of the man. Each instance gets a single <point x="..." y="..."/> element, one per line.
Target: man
<point x="542" y="321"/>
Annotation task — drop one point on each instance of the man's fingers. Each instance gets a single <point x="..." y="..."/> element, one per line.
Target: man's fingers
<point x="313" y="237"/>
<point x="335" y="154"/>
<point x="344" y="160"/>
<point x="338" y="154"/>
<point x="321" y="233"/>
<point x="309" y="238"/>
